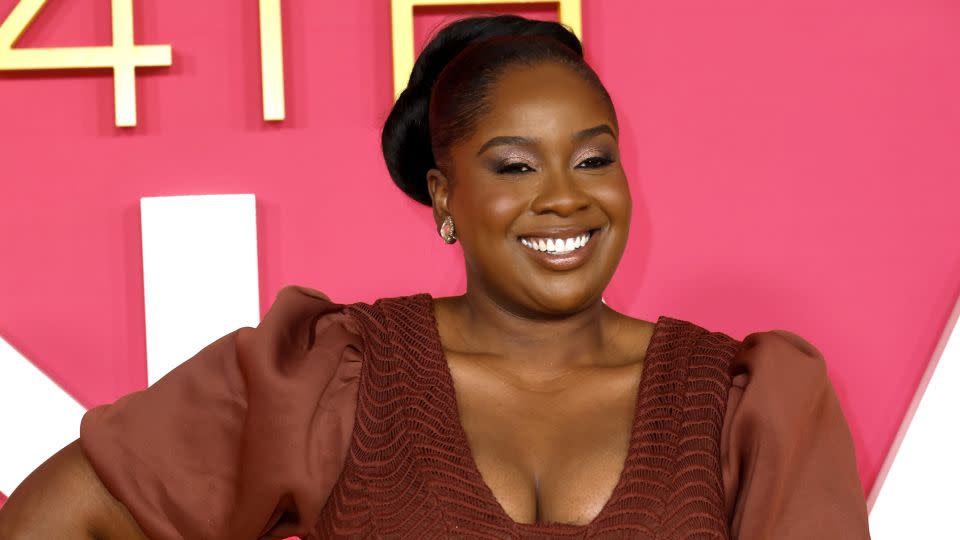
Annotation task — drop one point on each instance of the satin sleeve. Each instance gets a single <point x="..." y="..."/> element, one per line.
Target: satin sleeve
<point x="788" y="462"/>
<point x="245" y="439"/>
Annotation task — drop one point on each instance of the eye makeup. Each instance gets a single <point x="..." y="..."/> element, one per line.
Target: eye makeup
<point x="511" y="162"/>
<point x="594" y="156"/>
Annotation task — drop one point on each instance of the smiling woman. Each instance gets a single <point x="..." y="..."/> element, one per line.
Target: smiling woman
<point x="523" y="408"/>
<point x="539" y="167"/>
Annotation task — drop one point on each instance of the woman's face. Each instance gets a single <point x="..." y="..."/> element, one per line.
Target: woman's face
<point x="538" y="194"/>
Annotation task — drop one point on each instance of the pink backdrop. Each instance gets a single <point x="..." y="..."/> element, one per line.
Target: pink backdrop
<point x="793" y="166"/>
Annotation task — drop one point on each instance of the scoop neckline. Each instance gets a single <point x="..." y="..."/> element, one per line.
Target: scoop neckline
<point x="473" y="471"/>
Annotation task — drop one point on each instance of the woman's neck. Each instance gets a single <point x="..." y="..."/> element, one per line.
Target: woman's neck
<point x="477" y="323"/>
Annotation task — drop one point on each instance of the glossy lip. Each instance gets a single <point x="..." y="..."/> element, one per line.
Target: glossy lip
<point x="562" y="261"/>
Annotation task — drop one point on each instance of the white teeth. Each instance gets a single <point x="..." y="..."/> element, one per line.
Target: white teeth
<point x="559" y="245"/>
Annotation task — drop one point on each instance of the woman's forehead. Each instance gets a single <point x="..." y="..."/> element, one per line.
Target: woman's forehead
<point x="544" y="100"/>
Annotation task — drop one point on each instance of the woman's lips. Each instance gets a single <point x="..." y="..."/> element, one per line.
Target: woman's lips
<point x="561" y="251"/>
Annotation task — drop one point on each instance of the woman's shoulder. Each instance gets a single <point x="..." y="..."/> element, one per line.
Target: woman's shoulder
<point x="295" y="301"/>
<point x="303" y="301"/>
<point x="769" y="349"/>
<point x="779" y="358"/>
<point x="779" y="386"/>
<point x="302" y="311"/>
<point x="673" y="336"/>
<point x="772" y="359"/>
<point x="299" y="312"/>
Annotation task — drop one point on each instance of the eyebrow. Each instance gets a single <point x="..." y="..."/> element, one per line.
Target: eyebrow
<point x="516" y="140"/>
<point x="511" y="140"/>
<point x="594" y="131"/>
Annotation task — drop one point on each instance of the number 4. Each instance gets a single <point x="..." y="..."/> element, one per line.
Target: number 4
<point x="123" y="56"/>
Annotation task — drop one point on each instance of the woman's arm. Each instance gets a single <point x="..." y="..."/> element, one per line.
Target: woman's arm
<point x="216" y="448"/>
<point x="790" y="470"/>
<point x="64" y="498"/>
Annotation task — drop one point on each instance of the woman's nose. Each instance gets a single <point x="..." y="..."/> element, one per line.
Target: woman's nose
<point x="560" y="194"/>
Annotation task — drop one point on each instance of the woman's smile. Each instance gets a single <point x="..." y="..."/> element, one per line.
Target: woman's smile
<point x="560" y="249"/>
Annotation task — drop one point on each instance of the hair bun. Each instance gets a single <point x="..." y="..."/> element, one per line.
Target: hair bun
<point x="405" y="140"/>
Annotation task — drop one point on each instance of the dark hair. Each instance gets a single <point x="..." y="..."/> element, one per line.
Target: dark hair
<point x="447" y="90"/>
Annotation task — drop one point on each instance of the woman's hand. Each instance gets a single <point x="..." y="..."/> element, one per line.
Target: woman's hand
<point x="63" y="498"/>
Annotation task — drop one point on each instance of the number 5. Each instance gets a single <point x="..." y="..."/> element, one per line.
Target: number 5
<point x="123" y="56"/>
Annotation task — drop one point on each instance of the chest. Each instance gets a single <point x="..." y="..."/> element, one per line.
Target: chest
<point x="549" y="450"/>
<point x="427" y="460"/>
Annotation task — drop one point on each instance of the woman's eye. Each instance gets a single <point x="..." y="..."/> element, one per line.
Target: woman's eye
<point x="594" y="163"/>
<point x="514" y="168"/>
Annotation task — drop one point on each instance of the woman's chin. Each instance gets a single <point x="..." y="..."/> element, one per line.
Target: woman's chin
<point x="563" y="301"/>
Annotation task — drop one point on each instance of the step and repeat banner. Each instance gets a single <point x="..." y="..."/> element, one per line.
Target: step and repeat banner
<point x="166" y="167"/>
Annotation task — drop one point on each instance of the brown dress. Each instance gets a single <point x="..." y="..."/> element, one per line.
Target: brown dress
<point x="332" y="421"/>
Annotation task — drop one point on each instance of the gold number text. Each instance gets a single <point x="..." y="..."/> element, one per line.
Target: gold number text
<point x="271" y="60"/>
<point x="123" y="56"/>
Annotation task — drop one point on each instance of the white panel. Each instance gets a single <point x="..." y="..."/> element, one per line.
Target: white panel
<point x="37" y="418"/>
<point x="199" y="273"/>
<point x="919" y="497"/>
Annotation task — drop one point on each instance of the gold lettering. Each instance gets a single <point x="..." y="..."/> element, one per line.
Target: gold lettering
<point x="123" y="56"/>
<point x="271" y="60"/>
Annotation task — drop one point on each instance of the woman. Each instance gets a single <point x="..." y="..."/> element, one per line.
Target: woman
<point x="524" y="408"/>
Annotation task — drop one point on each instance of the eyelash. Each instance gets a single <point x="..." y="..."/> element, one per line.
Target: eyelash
<point x="513" y="168"/>
<point x="600" y="161"/>
<point x="522" y="168"/>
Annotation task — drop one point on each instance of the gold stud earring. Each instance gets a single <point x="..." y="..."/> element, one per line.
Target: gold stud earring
<point x="447" y="231"/>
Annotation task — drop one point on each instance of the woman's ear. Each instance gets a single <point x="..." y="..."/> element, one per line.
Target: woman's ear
<point x="439" y="186"/>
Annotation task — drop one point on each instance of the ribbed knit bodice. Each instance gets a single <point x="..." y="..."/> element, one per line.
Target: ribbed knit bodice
<point x="410" y="472"/>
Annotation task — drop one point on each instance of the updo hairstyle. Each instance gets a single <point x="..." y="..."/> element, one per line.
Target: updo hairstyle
<point x="449" y="86"/>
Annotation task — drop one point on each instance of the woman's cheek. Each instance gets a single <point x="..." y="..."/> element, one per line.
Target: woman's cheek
<point x="613" y="196"/>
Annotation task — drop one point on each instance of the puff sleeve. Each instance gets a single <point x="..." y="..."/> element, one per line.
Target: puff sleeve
<point x="244" y="440"/>
<point x="788" y="462"/>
